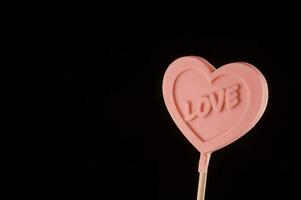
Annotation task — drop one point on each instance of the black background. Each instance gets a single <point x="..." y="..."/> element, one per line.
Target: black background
<point x="82" y="112"/>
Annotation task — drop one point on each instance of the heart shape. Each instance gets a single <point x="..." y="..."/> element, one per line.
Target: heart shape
<point x="214" y="107"/>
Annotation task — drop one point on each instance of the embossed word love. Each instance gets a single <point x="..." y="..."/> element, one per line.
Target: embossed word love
<point x="214" y="107"/>
<point x="228" y="96"/>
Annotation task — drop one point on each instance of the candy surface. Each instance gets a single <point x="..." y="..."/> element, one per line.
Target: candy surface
<point x="214" y="107"/>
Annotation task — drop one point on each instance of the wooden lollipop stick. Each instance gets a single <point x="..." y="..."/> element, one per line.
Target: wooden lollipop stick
<point x="203" y="167"/>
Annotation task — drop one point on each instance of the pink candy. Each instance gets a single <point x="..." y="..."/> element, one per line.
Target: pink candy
<point x="213" y="107"/>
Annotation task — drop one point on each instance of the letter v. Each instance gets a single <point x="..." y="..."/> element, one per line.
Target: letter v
<point x="217" y="103"/>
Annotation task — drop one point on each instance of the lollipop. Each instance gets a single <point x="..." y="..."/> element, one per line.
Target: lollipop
<point x="213" y="107"/>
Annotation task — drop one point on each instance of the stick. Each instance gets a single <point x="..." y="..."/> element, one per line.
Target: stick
<point x="203" y="167"/>
<point x="202" y="186"/>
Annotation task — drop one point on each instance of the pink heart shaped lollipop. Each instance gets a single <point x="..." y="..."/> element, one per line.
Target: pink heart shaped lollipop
<point x="213" y="107"/>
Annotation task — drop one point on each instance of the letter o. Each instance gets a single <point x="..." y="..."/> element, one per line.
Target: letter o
<point x="204" y="107"/>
